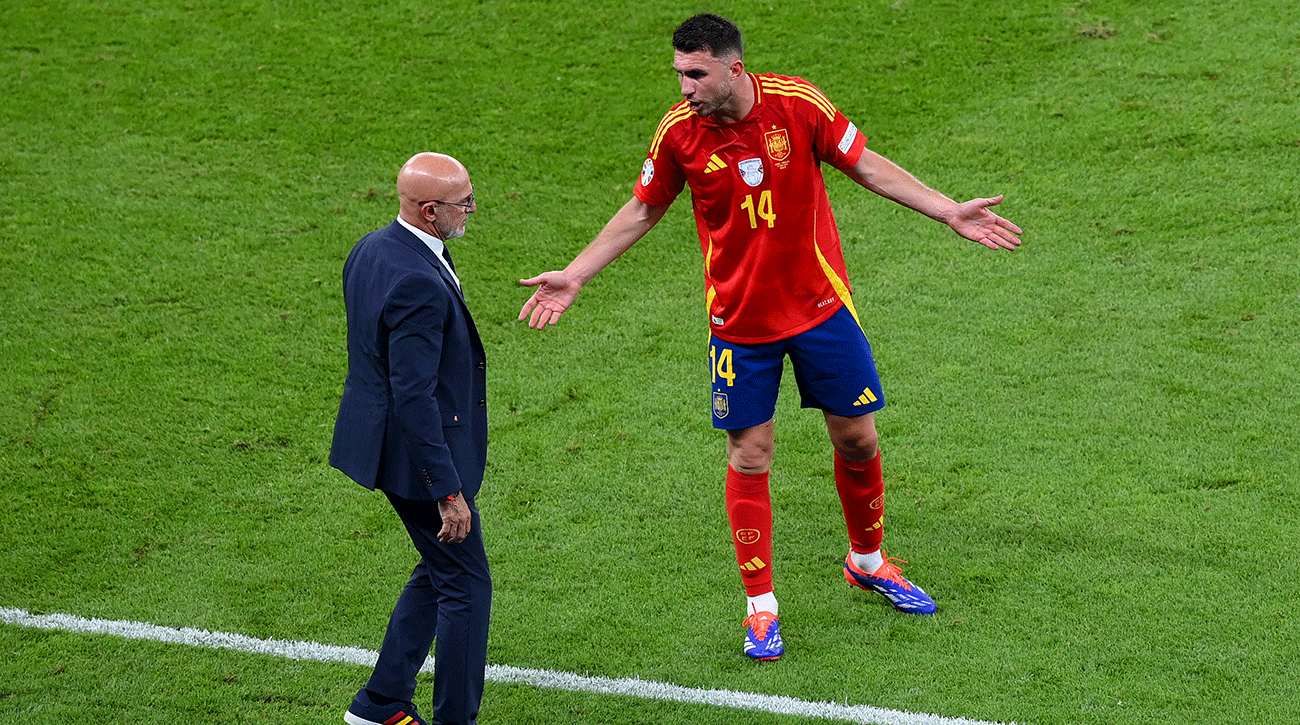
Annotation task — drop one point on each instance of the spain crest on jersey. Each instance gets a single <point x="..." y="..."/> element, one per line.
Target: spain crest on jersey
<point x="778" y="145"/>
<point x="751" y="170"/>
<point x="720" y="407"/>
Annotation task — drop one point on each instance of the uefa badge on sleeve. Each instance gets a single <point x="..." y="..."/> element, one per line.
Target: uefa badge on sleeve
<point x="720" y="407"/>
<point x="647" y="172"/>
<point x="846" y="142"/>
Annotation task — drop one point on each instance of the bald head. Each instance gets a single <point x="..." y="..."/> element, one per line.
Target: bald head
<point x="430" y="177"/>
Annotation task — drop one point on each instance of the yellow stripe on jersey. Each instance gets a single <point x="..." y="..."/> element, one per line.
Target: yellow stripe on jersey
<point x="675" y="115"/>
<point x="715" y="164"/>
<point x="821" y="104"/>
<point x="837" y="284"/>
<point x="712" y="294"/>
<point x="798" y="84"/>
<point x="797" y="89"/>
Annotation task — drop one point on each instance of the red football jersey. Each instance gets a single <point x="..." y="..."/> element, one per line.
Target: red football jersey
<point x="773" y="265"/>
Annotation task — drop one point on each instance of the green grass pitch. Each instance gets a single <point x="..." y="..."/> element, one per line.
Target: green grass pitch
<point x="1091" y="443"/>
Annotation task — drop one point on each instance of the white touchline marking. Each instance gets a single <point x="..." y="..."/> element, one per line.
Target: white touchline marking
<point x="645" y="689"/>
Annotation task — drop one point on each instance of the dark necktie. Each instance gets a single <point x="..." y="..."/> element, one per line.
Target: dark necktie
<point x="446" y="254"/>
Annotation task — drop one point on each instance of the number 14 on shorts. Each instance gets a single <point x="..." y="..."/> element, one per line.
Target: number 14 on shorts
<point x="722" y="365"/>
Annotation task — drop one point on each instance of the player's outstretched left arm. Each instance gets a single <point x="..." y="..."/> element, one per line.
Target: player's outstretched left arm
<point x="971" y="219"/>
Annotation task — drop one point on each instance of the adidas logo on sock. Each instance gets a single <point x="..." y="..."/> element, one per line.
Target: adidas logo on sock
<point x="754" y="564"/>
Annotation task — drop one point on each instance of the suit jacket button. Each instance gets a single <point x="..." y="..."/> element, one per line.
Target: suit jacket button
<point x="482" y="403"/>
<point x="482" y="365"/>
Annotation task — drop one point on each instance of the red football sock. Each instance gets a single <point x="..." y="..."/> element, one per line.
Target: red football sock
<point x="749" y="510"/>
<point x="862" y="495"/>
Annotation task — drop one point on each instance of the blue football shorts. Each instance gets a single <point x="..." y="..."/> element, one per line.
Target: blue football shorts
<point x="832" y="364"/>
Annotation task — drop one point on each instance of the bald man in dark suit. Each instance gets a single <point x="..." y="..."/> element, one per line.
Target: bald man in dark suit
<point x="413" y="424"/>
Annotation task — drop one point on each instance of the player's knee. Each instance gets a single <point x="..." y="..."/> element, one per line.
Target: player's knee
<point x="749" y="450"/>
<point x="857" y="445"/>
<point x="750" y="460"/>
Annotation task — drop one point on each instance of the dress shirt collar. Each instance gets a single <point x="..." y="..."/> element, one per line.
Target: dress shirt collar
<point x="433" y="243"/>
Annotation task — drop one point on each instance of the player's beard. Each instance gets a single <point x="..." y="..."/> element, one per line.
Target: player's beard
<point x="709" y="108"/>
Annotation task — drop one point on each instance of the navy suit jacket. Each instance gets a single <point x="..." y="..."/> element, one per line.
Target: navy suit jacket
<point x="413" y="418"/>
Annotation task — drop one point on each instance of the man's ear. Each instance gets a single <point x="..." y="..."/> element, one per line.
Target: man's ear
<point x="737" y="68"/>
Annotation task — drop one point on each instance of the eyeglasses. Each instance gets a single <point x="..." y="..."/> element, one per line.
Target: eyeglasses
<point x="467" y="204"/>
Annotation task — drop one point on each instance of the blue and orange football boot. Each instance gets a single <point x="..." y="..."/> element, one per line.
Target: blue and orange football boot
<point x="763" y="638"/>
<point x="888" y="580"/>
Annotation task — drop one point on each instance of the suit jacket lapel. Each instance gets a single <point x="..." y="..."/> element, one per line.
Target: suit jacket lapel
<point x="406" y="237"/>
<point x="430" y="256"/>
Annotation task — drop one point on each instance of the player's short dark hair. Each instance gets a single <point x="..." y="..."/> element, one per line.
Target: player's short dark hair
<point x="710" y="32"/>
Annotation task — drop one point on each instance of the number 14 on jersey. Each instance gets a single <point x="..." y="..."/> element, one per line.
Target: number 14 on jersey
<point x="764" y="210"/>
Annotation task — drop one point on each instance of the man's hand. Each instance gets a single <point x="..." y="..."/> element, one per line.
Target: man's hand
<point x="455" y="520"/>
<point x="974" y="220"/>
<point x="555" y="292"/>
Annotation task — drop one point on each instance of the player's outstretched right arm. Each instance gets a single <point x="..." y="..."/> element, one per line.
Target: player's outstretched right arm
<point x="557" y="290"/>
<point x="971" y="219"/>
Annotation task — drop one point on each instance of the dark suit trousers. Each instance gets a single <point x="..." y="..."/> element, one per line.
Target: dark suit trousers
<point x="448" y="598"/>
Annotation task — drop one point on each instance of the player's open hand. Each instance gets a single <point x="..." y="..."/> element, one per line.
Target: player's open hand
<point x="555" y="292"/>
<point x="975" y="221"/>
